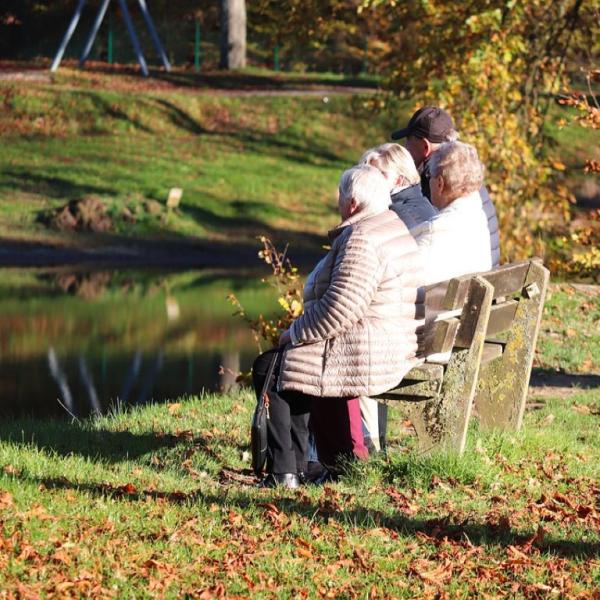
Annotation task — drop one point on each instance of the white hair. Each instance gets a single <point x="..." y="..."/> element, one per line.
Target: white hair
<point x="394" y="161"/>
<point x="459" y="166"/>
<point x="365" y="185"/>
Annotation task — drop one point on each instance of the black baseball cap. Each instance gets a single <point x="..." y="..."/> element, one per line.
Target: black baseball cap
<point x="428" y="122"/>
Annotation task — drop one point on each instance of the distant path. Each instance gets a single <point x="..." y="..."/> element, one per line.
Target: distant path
<point x="33" y="76"/>
<point x="152" y="84"/>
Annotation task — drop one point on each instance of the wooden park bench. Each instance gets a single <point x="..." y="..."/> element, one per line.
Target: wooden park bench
<point x="489" y="323"/>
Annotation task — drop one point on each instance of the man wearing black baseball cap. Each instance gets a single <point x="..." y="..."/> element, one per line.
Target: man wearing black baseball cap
<point x="427" y="129"/>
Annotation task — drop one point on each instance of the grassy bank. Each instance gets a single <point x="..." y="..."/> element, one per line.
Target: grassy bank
<point x="248" y="164"/>
<point x="158" y="501"/>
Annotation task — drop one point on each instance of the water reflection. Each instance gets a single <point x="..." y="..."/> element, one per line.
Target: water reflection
<point x="81" y="342"/>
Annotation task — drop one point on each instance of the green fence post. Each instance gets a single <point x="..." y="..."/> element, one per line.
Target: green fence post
<point x="110" y="35"/>
<point x="197" y="38"/>
<point x="276" y="57"/>
<point x="366" y="58"/>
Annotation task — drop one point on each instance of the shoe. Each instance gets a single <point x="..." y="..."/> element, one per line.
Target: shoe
<point x="288" y="480"/>
<point x="325" y="477"/>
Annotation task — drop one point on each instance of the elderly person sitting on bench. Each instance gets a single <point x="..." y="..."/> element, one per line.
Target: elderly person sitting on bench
<point x="397" y="166"/>
<point x="357" y="335"/>
<point x="456" y="241"/>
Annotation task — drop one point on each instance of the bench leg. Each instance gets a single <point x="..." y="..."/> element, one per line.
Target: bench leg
<point x="503" y="382"/>
<point x="444" y="421"/>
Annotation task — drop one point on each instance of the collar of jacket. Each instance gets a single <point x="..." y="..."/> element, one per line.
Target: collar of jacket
<point x="353" y="220"/>
<point x="469" y="202"/>
<point x="412" y="192"/>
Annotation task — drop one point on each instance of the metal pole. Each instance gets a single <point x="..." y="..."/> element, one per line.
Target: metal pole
<point x="67" y="37"/>
<point x="154" y="35"/>
<point x="93" y="33"/>
<point x="134" y="39"/>
<point x="110" y="36"/>
<point x="197" y="38"/>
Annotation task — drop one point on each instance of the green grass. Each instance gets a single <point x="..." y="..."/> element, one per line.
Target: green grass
<point x="248" y="165"/>
<point x="570" y="332"/>
<point x="158" y="501"/>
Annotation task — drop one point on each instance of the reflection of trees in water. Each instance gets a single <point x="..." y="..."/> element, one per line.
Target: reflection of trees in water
<point x="152" y="336"/>
<point x="86" y="383"/>
<point x="61" y="379"/>
<point x="85" y="285"/>
<point x="229" y="370"/>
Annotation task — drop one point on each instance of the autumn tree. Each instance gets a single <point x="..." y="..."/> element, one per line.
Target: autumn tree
<point x="496" y="66"/>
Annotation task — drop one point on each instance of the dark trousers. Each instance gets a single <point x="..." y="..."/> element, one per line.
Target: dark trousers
<point x="287" y="426"/>
<point x="335" y="422"/>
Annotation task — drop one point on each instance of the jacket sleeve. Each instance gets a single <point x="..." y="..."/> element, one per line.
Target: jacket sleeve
<point x="354" y="280"/>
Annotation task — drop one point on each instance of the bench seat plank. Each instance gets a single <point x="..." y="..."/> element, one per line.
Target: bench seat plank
<point x="491" y="351"/>
<point x="425" y="372"/>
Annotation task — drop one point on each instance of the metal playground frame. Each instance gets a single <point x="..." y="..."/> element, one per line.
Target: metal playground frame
<point x="96" y="27"/>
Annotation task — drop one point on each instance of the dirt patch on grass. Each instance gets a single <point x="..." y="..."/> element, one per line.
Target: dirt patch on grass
<point x="87" y="214"/>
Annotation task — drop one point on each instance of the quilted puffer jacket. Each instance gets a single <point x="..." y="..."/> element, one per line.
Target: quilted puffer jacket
<point x="358" y="333"/>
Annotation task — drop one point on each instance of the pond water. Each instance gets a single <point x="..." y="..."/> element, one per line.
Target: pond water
<point x="82" y="342"/>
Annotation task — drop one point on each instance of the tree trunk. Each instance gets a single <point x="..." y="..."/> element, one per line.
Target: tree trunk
<point x="233" y="34"/>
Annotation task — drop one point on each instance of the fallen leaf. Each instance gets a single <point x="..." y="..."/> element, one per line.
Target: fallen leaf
<point x="431" y="572"/>
<point x="547" y="421"/>
<point x="6" y="500"/>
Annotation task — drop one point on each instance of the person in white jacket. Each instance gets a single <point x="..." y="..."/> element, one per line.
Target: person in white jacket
<point x="426" y="131"/>
<point x="456" y="241"/>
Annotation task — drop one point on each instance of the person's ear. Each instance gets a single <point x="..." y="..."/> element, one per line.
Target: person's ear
<point x="427" y="147"/>
<point x="353" y="207"/>
<point x="400" y="181"/>
<point x="437" y="186"/>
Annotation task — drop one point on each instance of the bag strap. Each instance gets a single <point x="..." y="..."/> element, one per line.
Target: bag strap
<point x="265" y="389"/>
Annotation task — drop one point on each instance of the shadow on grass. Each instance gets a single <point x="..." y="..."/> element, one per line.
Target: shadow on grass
<point x="27" y="180"/>
<point x="237" y="80"/>
<point x="550" y="378"/>
<point x="269" y="144"/>
<point x="65" y="440"/>
<point x="175" y="251"/>
<point x="434" y="530"/>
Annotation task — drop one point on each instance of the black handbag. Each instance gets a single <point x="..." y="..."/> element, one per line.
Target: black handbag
<point x="258" y="431"/>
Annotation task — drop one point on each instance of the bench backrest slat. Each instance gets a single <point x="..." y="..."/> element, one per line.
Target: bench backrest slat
<point x="507" y="280"/>
<point x="450" y="295"/>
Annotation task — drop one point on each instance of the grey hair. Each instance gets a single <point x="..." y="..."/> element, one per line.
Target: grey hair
<point x="367" y="186"/>
<point x="460" y="168"/>
<point x="392" y="159"/>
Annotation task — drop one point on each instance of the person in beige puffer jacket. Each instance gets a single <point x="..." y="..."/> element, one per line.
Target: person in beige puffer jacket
<point x="358" y="332"/>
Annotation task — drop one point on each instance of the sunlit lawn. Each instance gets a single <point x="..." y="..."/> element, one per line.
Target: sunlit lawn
<point x="159" y="501"/>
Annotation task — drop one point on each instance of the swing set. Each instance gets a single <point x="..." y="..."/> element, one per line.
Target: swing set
<point x="96" y="27"/>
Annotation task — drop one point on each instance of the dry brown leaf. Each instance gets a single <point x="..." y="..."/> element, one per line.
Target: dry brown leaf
<point x="431" y="572"/>
<point x="6" y="500"/>
<point x="547" y="421"/>
<point x="10" y="470"/>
